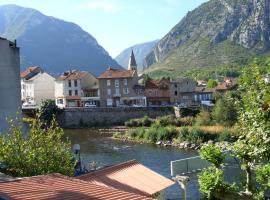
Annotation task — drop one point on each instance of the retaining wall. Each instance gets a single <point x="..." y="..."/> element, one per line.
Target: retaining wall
<point x="91" y="117"/>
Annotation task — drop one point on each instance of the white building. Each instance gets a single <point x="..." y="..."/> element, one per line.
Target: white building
<point x="36" y="86"/>
<point x="10" y="103"/>
<point x="75" y="88"/>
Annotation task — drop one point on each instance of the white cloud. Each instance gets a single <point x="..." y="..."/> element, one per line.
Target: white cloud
<point x="106" y="6"/>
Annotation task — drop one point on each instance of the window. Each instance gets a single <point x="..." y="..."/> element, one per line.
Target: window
<point x="108" y="82"/>
<point x="109" y="92"/>
<point x="75" y="83"/>
<point x="175" y="93"/>
<point x="125" y="91"/>
<point x="117" y="91"/>
<point x="125" y="82"/>
<point x="69" y="83"/>
<point x="175" y="85"/>
<point x="60" y="101"/>
<point x="70" y="92"/>
<point x="116" y="83"/>
<point x="76" y="92"/>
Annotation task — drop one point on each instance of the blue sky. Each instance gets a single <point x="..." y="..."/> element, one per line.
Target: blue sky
<point x="117" y="24"/>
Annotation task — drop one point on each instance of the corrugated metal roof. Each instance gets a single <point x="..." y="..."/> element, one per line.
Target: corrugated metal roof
<point x="56" y="186"/>
<point x="130" y="176"/>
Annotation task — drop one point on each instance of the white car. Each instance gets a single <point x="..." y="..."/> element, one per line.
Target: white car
<point x="89" y="105"/>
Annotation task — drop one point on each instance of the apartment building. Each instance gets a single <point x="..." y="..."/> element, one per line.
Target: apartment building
<point x="75" y="88"/>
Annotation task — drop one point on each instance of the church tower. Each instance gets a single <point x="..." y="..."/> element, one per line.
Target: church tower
<point x="132" y="65"/>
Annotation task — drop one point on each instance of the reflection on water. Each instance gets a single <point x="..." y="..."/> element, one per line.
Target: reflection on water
<point x="102" y="149"/>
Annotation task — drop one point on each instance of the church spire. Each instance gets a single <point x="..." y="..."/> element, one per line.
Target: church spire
<point x="132" y="65"/>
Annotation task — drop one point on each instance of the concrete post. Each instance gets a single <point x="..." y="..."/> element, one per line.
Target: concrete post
<point x="183" y="182"/>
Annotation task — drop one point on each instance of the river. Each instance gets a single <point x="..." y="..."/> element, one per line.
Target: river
<point x="102" y="149"/>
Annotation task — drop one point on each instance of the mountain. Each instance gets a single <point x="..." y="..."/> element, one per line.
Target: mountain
<point x="217" y="33"/>
<point x="51" y="43"/>
<point x="140" y="52"/>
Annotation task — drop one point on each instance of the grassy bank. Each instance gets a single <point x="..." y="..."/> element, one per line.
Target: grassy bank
<point x="175" y="130"/>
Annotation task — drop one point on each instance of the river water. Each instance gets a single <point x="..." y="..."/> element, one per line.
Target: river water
<point x="106" y="151"/>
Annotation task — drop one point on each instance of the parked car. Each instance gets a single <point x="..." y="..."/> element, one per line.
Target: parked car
<point x="90" y="105"/>
<point x="29" y="104"/>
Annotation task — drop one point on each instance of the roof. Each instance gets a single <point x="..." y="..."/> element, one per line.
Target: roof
<point x="157" y="84"/>
<point x="202" y="89"/>
<point x="131" y="177"/>
<point x="30" y="70"/>
<point x="72" y="75"/>
<point x="57" y="186"/>
<point x="117" y="73"/>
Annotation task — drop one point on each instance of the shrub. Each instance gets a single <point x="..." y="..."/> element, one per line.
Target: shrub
<point x="213" y="154"/>
<point x="203" y="118"/>
<point x="48" y="111"/>
<point x="227" y="135"/>
<point x="41" y="151"/>
<point x="168" y="120"/>
<point x="263" y="176"/>
<point x="211" y="180"/>
<point x="145" y="121"/>
<point x="224" y="112"/>
<point x="183" y="134"/>
<point x="186" y="121"/>
<point x="188" y="112"/>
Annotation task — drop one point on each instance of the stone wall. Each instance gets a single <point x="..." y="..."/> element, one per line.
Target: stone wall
<point x="91" y="117"/>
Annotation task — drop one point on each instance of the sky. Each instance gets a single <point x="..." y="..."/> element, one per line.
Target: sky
<point x="116" y="24"/>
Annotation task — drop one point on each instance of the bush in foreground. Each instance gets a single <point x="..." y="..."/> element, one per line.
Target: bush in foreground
<point x="41" y="151"/>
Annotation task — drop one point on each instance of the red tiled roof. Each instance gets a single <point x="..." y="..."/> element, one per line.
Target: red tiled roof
<point x="131" y="177"/>
<point x="56" y="186"/>
<point x="117" y="73"/>
<point x="73" y="75"/>
<point x="27" y="71"/>
<point x="151" y="84"/>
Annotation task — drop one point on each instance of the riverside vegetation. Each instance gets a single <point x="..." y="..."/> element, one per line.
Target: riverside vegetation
<point x="187" y="132"/>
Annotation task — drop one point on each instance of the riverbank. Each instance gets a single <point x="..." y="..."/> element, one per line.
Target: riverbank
<point x="176" y="143"/>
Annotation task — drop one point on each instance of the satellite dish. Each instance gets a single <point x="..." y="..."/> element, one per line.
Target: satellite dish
<point x="76" y="148"/>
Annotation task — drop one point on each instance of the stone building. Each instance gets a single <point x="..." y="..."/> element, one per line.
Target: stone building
<point x="157" y="92"/>
<point x="182" y="91"/>
<point x="10" y="96"/>
<point x="75" y="88"/>
<point x="36" y="86"/>
<point x="118" y="87"/>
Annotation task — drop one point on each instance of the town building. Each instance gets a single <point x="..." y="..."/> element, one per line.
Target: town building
<point x="57" y="186"/>
<point x="9" y="82"/>
<point x="182" y="91"/>
<point x="138" y="179"/>
<point x="36" y="86"/>
<point x="76" y="88"/>
<point x="157" y="92"/>
<point x="119" y="87"/>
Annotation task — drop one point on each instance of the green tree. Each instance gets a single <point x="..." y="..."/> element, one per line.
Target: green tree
<point x="212" y="83"/>
<point x="224" y="111"/>
<point x="203" y="118"/>
<point x="254" y="123"/>
<point x="48" y="111"/>
<point x="41" y="151"/>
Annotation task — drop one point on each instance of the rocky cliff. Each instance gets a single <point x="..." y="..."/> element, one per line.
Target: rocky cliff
<point x="219" y="32"/>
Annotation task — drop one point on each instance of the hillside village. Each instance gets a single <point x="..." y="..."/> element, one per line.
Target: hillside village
<point x="116" y="88"/>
